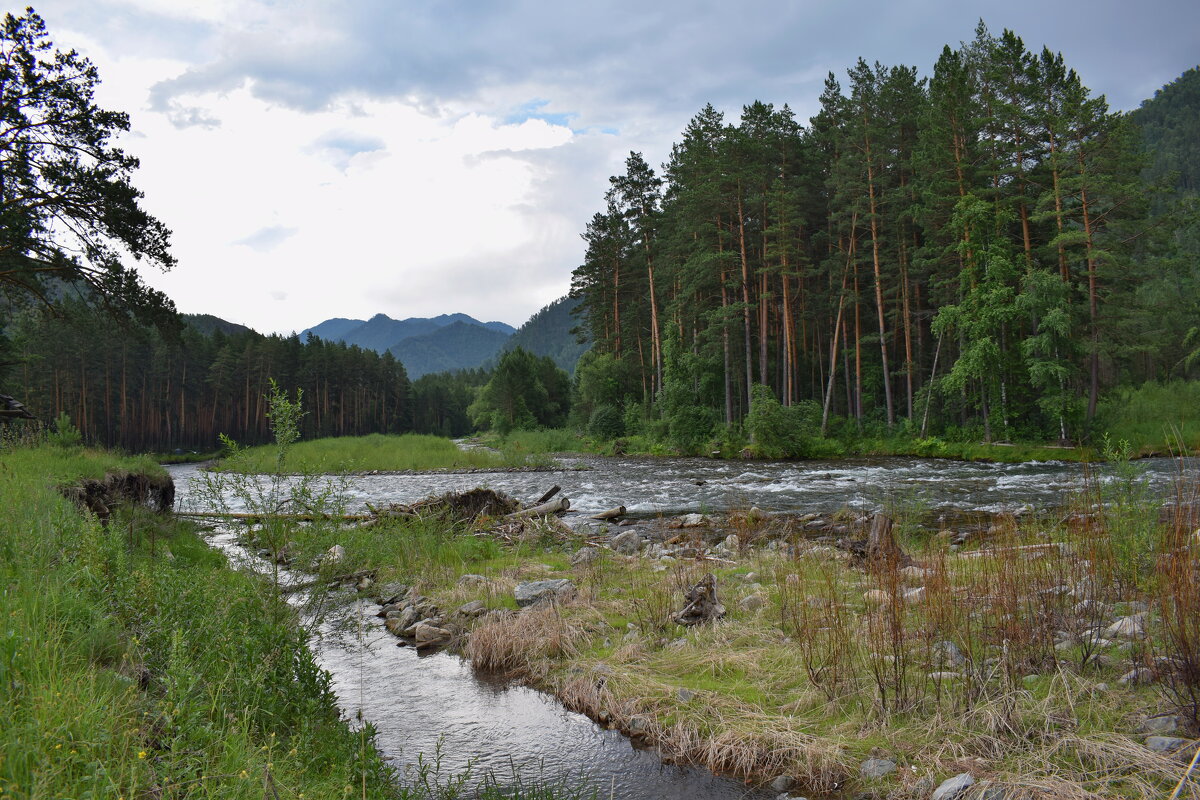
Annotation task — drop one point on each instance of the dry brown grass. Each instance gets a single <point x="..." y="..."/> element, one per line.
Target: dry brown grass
<point x="526" y="644"/>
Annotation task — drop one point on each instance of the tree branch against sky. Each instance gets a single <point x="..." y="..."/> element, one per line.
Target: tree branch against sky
<point x="69" y="214"/>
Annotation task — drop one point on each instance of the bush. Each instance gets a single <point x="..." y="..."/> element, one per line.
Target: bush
<point x="606" y="423"/>
<point x="690" y="427"/>
<point x="779" y="432"/>
<point x="65" y="433"/>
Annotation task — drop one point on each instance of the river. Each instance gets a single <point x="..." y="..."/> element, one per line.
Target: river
<point x="420" y="703"/>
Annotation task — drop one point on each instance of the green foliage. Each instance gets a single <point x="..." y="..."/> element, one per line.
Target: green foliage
<point x="524" y="392"/>
<point x="65" y="433"/>
<point x="410" y="451"/>
<point x="231" y="690"/>
<point x="966" y="251"/>
<point x="133" y="387"/>
<point x="1130" y="513"/>
<point x="1154" y="417"/>
<point x="606" y="422"/>
<point x="779" y="432"/>
<point x="284" y="415"/>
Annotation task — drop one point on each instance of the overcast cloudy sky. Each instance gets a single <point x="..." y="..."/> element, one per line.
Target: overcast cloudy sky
<point x="418" y="157"/>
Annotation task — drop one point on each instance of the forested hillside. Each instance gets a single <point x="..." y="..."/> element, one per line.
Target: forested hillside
<point x="1169" y="122"/>
<point x="459" y="345"/>
<point x="968" y="253"/>
<point x="551" y="332"/>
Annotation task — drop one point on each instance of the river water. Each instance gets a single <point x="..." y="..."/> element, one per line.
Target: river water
<point x="422" y="703"/>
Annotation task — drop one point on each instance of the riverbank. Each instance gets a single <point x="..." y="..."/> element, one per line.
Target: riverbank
<point x="1041" y="654"/>
<point x="135" y="663"/>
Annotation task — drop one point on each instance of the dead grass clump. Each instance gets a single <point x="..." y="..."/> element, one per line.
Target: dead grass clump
<point x="818" y="765"/>
<point x="523" y="645"/>
<point x="1086" y="767"/>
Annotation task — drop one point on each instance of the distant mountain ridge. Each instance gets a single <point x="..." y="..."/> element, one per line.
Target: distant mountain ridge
<point x="422" y="344"/>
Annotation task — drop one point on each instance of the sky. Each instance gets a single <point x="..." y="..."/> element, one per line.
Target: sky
<point x="419" y="157"/>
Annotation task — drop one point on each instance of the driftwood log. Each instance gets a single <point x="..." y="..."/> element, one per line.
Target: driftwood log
<point x="555" y="489"/>
<point x="611" y="513"/>
<point x="542" y="510"/>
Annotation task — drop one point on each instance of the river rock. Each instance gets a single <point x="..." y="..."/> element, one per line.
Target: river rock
<point x="914" y="596"/>
<point x="388" y="593"/>
<point x="627" y="543"/>
<point x="1131" y="627"/>
<point x="394" y="626"/>
<point x="1162" y="725"/>
<point x="876" y="597"/>
<point x="472" y="580"/>
<point x="946" y="652"/>
<point x="363" y="584"/>
<point x="429" y="635"/>
<point x="693" y="521"/>
<point x="685" y="695"/>
<point x="334" y="555"/>
<point x="1165" y="744"/>
<point x="876" y="767"/>
<point x="1137" y="677"/>
<point x="389" y="608"/>
<point x="531" y="592"/>
<point x="783" y="783"/>
<point x="584" y="556"/>
<point x="916" y="574"/>
<point x="752" y="602"/>
<point x="953" y="788"/>
<point x="473" y="609"/>
<point x="408" y="617"/>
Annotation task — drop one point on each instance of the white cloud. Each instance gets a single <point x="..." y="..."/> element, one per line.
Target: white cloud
<point x="345" y="160"/>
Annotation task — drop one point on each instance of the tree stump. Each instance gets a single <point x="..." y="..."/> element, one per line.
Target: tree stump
<point x="702" y="604"/>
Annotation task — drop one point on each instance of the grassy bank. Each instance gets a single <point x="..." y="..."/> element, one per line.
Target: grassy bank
<point x="409" y="451"/>
<point x="996" y="657"/>
<point x="134" y="663"/>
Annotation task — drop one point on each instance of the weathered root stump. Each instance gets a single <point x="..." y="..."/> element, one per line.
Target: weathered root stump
<point x="702" y="603"/>
<point x="101" y="496"/>
<point x="879" y="552"/>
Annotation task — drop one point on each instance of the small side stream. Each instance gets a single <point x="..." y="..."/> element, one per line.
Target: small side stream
<point x="428" y="704"/>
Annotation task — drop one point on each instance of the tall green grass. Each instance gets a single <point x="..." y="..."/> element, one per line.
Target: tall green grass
<point x="410" y="451"/>
<point x="1154" y="417"/>
<point x="134" y="663"/>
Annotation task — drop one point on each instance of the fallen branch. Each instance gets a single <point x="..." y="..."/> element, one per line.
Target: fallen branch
<point x="345" y="578"/>
<point x="555" y="489"/>
<point x="288" y="517"/>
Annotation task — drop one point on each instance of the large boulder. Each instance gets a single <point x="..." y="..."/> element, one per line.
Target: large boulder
<point x="532" y="592"/>
<point x="627" y="543"/>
